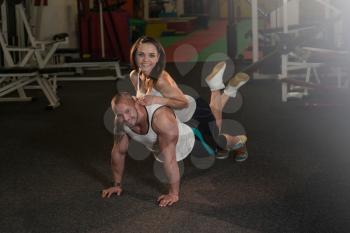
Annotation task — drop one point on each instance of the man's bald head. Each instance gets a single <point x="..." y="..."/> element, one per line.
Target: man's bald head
<point x="124" y="97"/>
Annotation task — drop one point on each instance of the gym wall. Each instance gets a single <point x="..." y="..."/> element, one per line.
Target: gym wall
<point x="57" y="17"/>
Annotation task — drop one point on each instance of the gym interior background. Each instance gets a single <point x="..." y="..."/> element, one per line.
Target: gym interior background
<point x="62" y="61"/>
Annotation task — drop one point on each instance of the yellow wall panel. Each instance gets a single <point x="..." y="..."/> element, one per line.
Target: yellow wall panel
<point x="223" y="8"/>
<point x="155" y="29"/>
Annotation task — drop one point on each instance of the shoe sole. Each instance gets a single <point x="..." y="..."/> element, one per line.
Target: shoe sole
<point x="238" y="79"/>
<point x="216" y="70"/>
<point x="223" y="155"/>
<point x="242" y="157"/>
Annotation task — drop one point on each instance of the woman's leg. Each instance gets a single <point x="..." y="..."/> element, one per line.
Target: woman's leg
<point x="206" y="122"/>
<point x="215" y="83"/>
<point x="223" y="99"/>
<point x="216" y="107"/>
<point x="218" y="101"/>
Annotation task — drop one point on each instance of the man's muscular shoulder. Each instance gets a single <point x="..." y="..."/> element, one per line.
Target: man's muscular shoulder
<point x="164" y="119"/>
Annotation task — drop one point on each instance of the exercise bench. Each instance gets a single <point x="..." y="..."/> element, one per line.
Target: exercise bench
<point x="91" y="64"/>
<point x="17" y="79"/>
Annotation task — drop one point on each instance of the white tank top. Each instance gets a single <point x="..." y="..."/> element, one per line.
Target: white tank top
<point x="184" y="114"/>
<point x="184" y="143"/>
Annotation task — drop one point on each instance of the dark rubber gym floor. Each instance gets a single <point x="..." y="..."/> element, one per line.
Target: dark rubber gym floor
<point x="54" y="165"/>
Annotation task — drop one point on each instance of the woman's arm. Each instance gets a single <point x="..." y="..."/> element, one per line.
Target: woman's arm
<point x="172" y="94"/>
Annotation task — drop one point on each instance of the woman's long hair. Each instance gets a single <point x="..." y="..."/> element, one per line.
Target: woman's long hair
<point x="160" y="66"/>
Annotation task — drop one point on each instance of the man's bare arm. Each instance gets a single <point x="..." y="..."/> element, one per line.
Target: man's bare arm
<point x="118" y="154"/>
<point x="165" y="125"/>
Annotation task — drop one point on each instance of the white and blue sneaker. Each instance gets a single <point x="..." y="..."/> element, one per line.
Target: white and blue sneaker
<point x="236" y="82"/>
<point x="241" y="154"/>
<point x="214" y="79"/>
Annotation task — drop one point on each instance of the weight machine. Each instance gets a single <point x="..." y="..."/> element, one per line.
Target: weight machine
<point x="296" y="55"/>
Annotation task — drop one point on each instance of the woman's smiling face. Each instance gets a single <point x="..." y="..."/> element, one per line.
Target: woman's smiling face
<point x="147" y="57"/>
